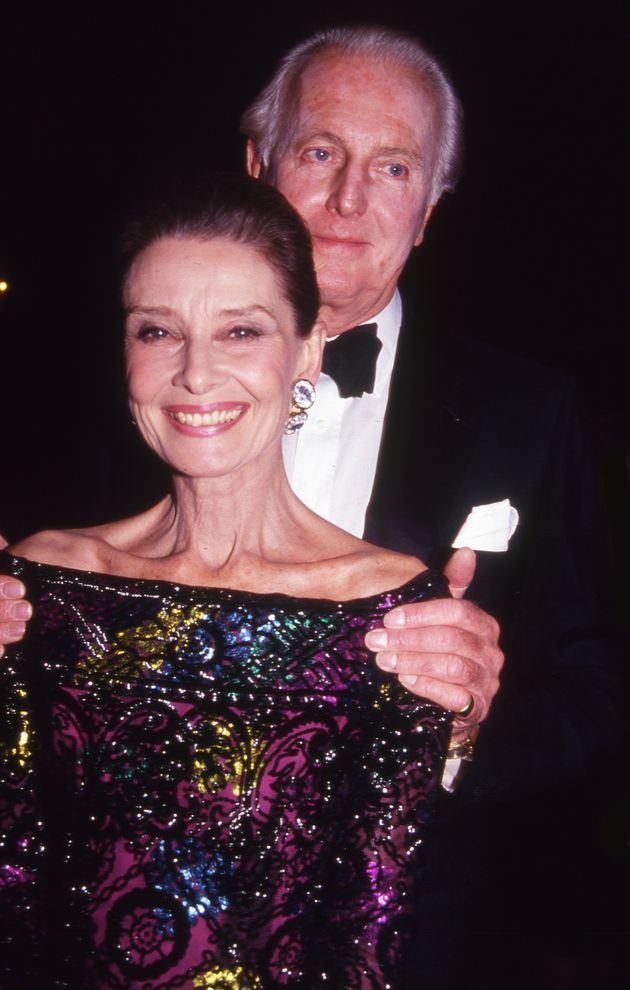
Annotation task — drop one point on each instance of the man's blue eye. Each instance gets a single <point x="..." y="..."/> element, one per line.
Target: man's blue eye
<point x="319" y="154"/>
<point x="396" y="170"/>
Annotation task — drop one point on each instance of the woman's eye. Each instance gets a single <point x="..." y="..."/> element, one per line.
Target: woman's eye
<point x="243" y="333"/>
<point x="151" y="333"/>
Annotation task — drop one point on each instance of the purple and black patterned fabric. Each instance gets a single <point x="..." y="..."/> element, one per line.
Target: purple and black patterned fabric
<point x="205" y="788"/>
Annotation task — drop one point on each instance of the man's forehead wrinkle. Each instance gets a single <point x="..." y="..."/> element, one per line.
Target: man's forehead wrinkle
<point x="323" y="102"/>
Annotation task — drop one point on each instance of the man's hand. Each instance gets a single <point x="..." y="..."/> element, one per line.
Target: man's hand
<point x="13" y="609"/>
<point x="445" y="650"/>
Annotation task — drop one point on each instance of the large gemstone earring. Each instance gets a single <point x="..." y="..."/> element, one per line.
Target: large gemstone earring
<point x="302" y="398"/>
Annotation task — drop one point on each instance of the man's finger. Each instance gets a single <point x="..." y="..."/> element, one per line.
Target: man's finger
<point x="440" y="612"/>
<point x="11" y="608"/>
<point x="451" y="668"/>
<point x="10" y="588"/>
<point x="14" y="611"/>
<point x="448" y="696"/>
<point x="445" y="640"/>
<point x="460" y="571"/>
<point x="11" y="632"/>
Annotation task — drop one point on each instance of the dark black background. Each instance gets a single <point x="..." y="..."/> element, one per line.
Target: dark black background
<point x="98" y="104"/>
<point x="529" y="253"/>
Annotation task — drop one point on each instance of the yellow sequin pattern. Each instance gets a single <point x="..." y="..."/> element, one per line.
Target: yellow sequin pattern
<point x="227" y="979"/>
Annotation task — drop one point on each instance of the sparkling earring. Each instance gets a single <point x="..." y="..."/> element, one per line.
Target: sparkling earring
<point x="302" y="398"/>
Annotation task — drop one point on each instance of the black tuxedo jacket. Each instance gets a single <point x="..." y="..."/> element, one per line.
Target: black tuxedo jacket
<point x="468" y="425"/>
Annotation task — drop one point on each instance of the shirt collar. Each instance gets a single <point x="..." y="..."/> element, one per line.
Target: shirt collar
<point x="388" y="322"/>
<point x="387" y="330"/>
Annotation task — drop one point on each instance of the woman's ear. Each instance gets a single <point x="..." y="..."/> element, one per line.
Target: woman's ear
<point x="311" y="363"/>
<point x="252" y="160"/>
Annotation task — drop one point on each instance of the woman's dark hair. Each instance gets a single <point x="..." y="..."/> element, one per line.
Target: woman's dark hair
<point x="243" y="210"/>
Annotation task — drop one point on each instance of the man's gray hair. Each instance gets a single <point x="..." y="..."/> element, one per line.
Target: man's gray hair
<point x="268" y="120"/>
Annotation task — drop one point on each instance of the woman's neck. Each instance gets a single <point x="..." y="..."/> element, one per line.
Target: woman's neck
<point x="225" y="525"/>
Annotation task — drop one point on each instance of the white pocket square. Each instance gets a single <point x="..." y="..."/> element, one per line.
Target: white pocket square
<point x="488" y="527"/>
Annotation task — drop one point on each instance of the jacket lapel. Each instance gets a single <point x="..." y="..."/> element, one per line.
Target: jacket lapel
<point x="416" y="504"/>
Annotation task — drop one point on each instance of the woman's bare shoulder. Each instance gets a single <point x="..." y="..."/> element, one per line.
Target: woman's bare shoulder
<point x="62" y="548"/>
<point x="371" y="570"/>
<point x="390" y="569"/>
<point x="96" y="548"/>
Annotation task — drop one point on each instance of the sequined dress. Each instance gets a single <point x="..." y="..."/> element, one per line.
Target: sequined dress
<point x="207" y="788"/>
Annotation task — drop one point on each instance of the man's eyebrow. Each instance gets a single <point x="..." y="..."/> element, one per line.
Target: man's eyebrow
<point x="412" y="155"/>
<point x="326" y="137"/>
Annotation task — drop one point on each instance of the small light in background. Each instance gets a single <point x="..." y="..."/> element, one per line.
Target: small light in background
<point x="4" y="285"/>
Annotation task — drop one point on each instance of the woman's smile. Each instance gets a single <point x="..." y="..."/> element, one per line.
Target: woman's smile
<point x="206" y="420"/>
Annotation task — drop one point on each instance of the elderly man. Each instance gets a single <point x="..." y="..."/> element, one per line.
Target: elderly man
<point x="360" y="129"/>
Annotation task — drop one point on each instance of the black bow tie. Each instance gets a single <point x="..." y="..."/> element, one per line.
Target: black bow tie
<point x="350" y="360"/>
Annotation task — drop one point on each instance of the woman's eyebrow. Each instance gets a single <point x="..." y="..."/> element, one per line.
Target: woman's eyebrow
<point x="231" y="311"/>
<point x="246" y="310"/>
<point x="148" y="310"/>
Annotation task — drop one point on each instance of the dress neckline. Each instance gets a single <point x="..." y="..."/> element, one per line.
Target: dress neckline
<point x="159" y="587"/>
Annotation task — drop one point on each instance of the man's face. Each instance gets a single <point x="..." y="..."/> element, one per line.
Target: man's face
<point x="358" y="170"/>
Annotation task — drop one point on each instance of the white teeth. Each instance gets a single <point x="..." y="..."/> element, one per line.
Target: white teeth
<point x="207" y="419"/>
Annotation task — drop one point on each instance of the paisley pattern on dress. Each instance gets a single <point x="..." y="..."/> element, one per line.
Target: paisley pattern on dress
<point x="205" y="788"/>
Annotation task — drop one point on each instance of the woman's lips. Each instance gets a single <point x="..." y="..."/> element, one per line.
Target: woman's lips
<point x="203" y="421"/>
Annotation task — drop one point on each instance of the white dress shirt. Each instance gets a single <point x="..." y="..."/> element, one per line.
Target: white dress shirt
<point x="331" y="461"/>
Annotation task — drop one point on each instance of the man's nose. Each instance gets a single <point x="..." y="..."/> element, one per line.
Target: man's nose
<point x="201" y="369"/>
<point x="348" y="195"/>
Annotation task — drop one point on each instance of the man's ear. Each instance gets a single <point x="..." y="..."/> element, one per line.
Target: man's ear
<point x="312" y="354"/>
<point x="253" y="163"/>
<point x="425" y="220"/>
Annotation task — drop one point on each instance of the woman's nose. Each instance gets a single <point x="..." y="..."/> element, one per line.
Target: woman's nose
<point x="200" y="370"/>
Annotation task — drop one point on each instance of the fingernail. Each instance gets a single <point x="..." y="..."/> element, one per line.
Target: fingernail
<point x="13" y="589"/>
<point x="21" y="610"/>
<point x="407" y="680"/>
<point x="395" y="619"/>
<point x="386" y="661"/>
<point x="16" y="630"/>
<point x="376" y="639"/>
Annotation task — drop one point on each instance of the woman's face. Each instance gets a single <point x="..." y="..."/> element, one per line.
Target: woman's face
<point x="211" y="353"/>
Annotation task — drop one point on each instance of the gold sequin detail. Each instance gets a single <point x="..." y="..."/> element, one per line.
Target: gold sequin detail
<point x="227" y="979"/>
<point x="134" y="650"/>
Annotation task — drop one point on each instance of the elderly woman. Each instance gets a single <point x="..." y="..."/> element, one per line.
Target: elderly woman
<point x="205" y="783"/>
